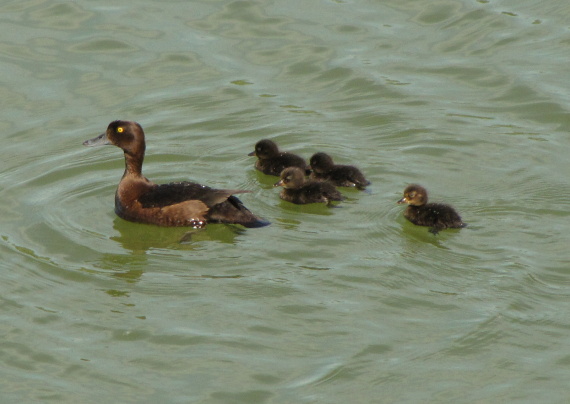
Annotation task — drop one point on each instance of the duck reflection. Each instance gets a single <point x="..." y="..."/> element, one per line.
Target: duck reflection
<point x="140" y="238"/>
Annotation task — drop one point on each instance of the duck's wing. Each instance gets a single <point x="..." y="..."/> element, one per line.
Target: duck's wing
<point x="330" y="192"/>
<point x="354" y="175"/>
<point x="285" y="160"/>
<point x="444" y="216"/>
<point x="163" y="195"/>
<point x="321" y="192"/>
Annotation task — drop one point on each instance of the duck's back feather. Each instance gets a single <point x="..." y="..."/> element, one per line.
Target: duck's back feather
<point x="220" y="204"/>
<point x="169" y="194"/>
<point x="343" y="176"/>
<point x="312" y="192"/>
<point x="436" y="215"/>
<point x="276" y="164"/>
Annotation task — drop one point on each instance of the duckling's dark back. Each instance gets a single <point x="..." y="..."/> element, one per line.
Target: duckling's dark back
<point x="437" y="215"/>
<point x="312" y="192"/>
<point x="340" y="175"/>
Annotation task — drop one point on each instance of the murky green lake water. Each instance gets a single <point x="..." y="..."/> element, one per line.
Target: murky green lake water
<point x="347" y="304"/>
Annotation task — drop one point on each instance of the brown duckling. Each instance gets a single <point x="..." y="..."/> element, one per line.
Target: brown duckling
<point x="176" y="204"/>
<point x="271" y="161"/>
<point x="438" y="216"/>
<point x="297" y="190"/>
<point x="323" y="168"/>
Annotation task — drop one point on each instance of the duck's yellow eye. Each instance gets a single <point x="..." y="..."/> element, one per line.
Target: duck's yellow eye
<point x="120" y="129"/>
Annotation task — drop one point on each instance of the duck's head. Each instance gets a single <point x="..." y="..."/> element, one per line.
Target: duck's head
<point x="291" y="178"/>
<point x="127" y="135"/>
<point x="321" y="162"/>
<point x="265" y="149"/>
<point x="414" y="195"/>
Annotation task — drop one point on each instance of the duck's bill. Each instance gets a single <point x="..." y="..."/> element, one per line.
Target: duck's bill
<point x="279" y="183"/>
<point x="97" y="141"/>
<point x="403" y="200"/>
<point x="251" y="154"/>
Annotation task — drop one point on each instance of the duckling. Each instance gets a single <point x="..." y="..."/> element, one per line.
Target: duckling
<point x="271" y="161"/>
<point x="297" y="190"/>
<point x="138" y="199"/>
<point x="323" y="168"/>
<point x="438" y="216"/>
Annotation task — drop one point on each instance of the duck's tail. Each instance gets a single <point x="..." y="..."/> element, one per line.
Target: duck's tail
<point x="233" y="211"/>
<point x="256" y="223"/>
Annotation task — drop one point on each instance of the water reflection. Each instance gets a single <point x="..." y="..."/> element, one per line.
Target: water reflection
<point x="141" y="241"/>
<point x="139" y="238"/>
<point x="324" y="302"/>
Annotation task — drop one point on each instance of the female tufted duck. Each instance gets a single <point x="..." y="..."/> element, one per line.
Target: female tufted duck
<point x="436" y="215"/>
<point x="176" y="204"/>
<point x="271" y="161"/>
<point x="342" y="176"/>
<point x="296" y="190"/>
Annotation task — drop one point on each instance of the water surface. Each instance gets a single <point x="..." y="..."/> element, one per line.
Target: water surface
<point x="335" y="305"/>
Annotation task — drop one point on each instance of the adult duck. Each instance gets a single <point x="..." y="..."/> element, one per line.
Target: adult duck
<point x="175" y="204"/>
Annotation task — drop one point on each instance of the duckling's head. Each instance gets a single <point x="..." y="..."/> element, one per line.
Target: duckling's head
<point x="127" y="135"/>
<point x="265" y="149"/>
<point x="321" y="162"/>
<point x="414" y="195"/>
<point x="291" y="178"/>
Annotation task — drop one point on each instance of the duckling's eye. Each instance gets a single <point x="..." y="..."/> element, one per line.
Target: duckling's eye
<point x="412" y="195"/>
<point x="120" y="129"/>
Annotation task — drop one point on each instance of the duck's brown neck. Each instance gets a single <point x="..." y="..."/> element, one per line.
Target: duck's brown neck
<point x="133" y="164"/>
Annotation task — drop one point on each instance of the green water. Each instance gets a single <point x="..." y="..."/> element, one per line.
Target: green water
<point x="326" y="305"/>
